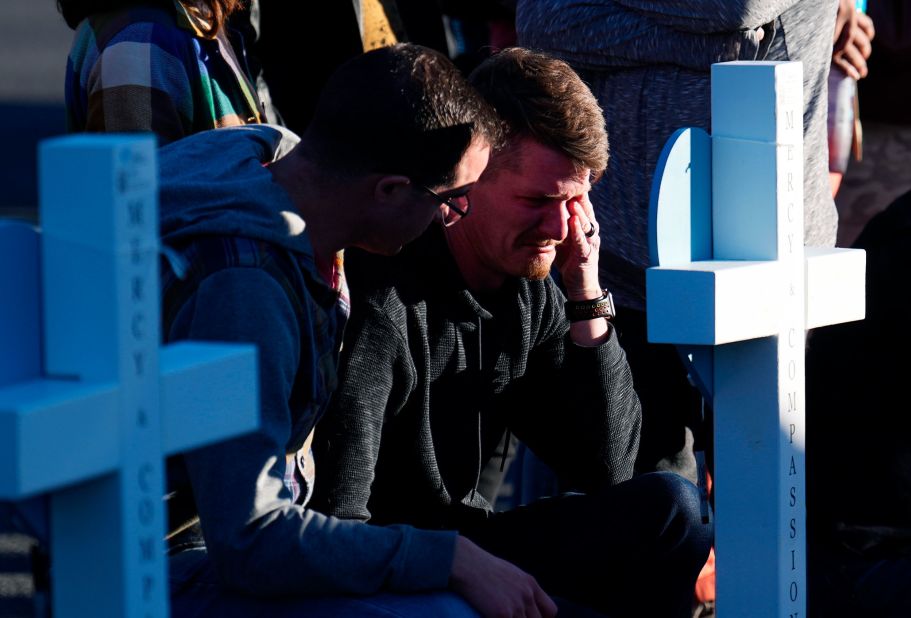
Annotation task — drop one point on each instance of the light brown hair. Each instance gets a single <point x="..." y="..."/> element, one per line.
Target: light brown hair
<point x="213" y="12"/>
<point x="541" y="97"/>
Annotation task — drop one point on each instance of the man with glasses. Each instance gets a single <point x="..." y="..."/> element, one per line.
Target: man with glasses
<point x="456" y="203"/>
<point x="253" y="222"/>
<point x="464" y="338"/>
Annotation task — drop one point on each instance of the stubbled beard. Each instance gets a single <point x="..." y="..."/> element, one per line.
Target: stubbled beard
<point x="537" y="268"/>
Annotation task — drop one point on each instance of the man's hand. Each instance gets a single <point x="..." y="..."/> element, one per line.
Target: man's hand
<point x="845" y="21"/>
<point x="494" y="587"/>
<point x="577" y="256"/>
<point x="853" y="33"/>
<point x="577" y="259"/>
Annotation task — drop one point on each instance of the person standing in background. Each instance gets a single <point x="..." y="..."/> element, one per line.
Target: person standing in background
<point x="852" y="46"/>
<point x="164" y="66"/>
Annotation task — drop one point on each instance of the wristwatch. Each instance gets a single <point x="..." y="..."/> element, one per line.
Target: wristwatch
<point x="579" y="310"/>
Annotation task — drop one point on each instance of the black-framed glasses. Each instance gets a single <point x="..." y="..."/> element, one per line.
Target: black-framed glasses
<point x="459" y="205"/>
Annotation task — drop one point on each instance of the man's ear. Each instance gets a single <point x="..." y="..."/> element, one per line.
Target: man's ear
<point x="391" y="188"/>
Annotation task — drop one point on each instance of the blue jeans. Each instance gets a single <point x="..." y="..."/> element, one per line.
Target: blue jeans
<point x="195" y="593"/>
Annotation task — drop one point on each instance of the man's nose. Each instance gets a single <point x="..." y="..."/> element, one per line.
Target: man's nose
<point x="555" y="224"/>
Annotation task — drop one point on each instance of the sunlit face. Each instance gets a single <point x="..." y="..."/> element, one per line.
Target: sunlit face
<point x="520" y="210"/>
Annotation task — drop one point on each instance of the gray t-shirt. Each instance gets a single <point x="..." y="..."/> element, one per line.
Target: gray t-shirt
<point x="648" y="63"/>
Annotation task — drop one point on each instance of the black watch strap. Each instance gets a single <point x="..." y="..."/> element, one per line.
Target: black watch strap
<point x="579" y="310"/>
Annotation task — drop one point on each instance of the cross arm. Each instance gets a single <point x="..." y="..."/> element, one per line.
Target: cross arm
<point x="209" y="392"/>
<point x="713" y="302"/>
<point x="55" y="433"/>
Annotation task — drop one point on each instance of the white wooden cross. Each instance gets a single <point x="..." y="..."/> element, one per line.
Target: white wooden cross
<point x="89" y="401"/>
<point x="736" y="286"/>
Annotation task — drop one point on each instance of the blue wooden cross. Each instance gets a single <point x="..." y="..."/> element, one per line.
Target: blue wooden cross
<point x="735" y="286"/>
<point x="89" y="401"/>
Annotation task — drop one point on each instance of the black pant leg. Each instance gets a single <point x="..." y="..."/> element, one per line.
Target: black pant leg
<point x="634" y="549"/>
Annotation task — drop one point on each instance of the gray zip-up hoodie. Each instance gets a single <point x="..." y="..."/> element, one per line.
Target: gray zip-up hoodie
<point x="260" y="539"/>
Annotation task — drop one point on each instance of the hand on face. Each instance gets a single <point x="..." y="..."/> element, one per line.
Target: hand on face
<point x="577" y="256"/>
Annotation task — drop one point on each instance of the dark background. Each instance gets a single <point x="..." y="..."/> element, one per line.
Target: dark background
<point x="33" y="46"/>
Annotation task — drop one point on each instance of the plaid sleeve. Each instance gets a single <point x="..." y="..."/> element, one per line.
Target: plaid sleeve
<point x="142" y="81"/>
